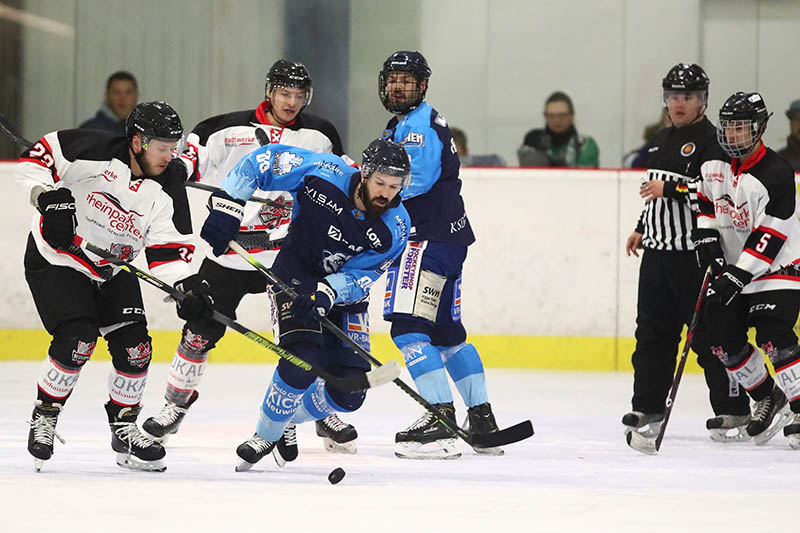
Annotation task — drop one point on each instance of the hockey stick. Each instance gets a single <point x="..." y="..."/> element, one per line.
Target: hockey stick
<point x="9" y="130"/>
<point x="373" y="378"/>
<point x="257" y="199"/>
<point x="510" y="435"/>
<point x="636" y="440"/>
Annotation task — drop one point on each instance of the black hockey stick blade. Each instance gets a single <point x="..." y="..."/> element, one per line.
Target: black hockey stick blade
<point x="256" y="199"/>
<point x="9" y="130"/>
<point x="509" y="435"/>
<point x="373" y="378"/>
<point x="640" y="443"/>
<point x="516" y="433"/>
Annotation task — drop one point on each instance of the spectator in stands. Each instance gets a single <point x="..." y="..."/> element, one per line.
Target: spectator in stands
<point x="559" y="144"/>
<point x="637" y="158"/>
<point x="791" y="152"/>
<point x="122" y="93"/>
<point x="467" y="160"/>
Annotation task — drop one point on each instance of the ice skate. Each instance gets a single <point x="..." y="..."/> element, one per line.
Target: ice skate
<point x="167" y="422"/>
<point x="252" y="451"/>
<point x="480" y="420"/>
<point x="135" y="450"/>
<point x="792" y="431"/>
<point x="43" y="429"/>
<point x="337" y="436"/>
<point x="646" y="424"/>
<point x="427" y="438"/>
<point x="286" y="448"/>
<point x="769" y="416"/>
<point x="728" y="428"/>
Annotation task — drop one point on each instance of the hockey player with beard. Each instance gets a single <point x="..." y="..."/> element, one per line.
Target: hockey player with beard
<point x="218" y="143"/>
<point x="428" y="330"/>
<point x="123" y="193"/>
<point x="348" y="229"/>
<point x="749" y="233"/>
<point x="669" y="274"/>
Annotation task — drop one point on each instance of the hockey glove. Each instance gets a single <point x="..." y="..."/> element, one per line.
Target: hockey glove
<point x="58" y="217"/>
<point x="708" y="249"/>
<point x="223" y="221"/>
<point x="198" y="305"/>
<point x="312" y="307"/>
<point x="728" y="285"/>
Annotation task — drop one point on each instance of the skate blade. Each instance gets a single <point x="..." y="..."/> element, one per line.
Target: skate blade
<point x="443" y="449"/>
<point x="496" y="452"/>
<point x="736" y="434"/>
<point x="335" y="447"/>
<point x="781" y="419"/>
<point x="794" y="441"/>
<point x="279" y="460"/>
<point x="38" y="464"/>
<point x="244" y="466"/>
<point x="649" y="431"/>
<point x="133" y="463"/>
<point x="640" y="443"/>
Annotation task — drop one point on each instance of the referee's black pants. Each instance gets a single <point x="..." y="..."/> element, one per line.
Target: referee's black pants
<point x="669" y="283"/>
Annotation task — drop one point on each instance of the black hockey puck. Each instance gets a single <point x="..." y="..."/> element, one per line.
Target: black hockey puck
<point x="336" y="475"/>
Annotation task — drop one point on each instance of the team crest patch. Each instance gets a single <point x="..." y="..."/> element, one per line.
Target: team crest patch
<point x="121" y="251"/>
<point x="140" y="355"/>
<point x="688" y="149"/>
<point x="274" y="216"/>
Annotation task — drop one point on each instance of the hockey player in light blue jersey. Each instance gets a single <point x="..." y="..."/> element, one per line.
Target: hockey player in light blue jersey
<point x="423" y="289"/>
<point x="348" y="227"/>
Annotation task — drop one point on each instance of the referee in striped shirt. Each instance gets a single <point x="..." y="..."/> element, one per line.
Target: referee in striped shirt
<point x="669" y="276"/>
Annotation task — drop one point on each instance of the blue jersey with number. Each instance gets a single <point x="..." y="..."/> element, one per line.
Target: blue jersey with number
<point x="433" y="199"/>
<point x="329" y="236"/>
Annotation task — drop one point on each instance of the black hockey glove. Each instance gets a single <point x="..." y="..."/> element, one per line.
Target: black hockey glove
<point x="58" y="217"/>
<point x="223" y="221"/>
<point x="312" y="307"/>
<point x="708" y="249"/>
<point x="730" y="282"/>
<point x="198" y="305"/>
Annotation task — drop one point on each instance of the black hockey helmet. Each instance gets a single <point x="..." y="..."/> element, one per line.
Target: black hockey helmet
<point x="387" y="157"/>
<point x="285" y="73"/>
<point x="154" y="120"/>
<point x="742" y="121"/>
<point x="404" y="61"/>
<point x="686" y="78"/>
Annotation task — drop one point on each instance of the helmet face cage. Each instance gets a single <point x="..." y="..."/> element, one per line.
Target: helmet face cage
<point x="290" y="75"/>
<point x="154" y="121"/>
<point x="742" y="122"/>
<point x="410" y="62"/>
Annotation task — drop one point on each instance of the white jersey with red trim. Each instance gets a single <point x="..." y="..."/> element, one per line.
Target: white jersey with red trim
<point x="220" y="142"/>
<point x="115" y="210"/>
<point x="754" y="206"/>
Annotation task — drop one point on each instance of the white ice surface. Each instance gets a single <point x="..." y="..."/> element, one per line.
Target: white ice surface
<point x="575" y="474"/>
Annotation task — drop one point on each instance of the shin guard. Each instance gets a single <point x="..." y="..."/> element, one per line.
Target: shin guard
<point x="279" y="406"/>
<point x="465" y="367"/>
<point x="424" y="363"/>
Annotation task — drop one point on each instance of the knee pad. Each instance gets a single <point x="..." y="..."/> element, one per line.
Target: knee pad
<point x="344" y="401"/>
<point x="73" y="343"/>
<point x="449" y="335"/>
<point x="776" y="341"/>
<point x="295" y="376"/>
<point x="130" y="347"/>
<point x="200" y="340"/>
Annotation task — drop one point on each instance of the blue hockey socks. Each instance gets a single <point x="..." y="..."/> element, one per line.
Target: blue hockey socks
<point x="464" y="365"/>
<point x="424" y="363"/>
<point x="316" y="404"/>
<point x="280" y="404"/>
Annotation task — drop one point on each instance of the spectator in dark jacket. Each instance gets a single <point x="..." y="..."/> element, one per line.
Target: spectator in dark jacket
<point x="122" y="93"/>
<point x="791" y="152"/>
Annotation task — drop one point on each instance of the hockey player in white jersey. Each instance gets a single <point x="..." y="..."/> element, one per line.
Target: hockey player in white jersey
<point x="218" y="144"/>
<point x="749" y="233"/>
<point x="125" y="194"/>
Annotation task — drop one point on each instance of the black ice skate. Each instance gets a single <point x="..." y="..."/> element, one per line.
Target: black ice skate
<point x="337" y="436"/>
<point x="646" y="424"/>
<point x="769" y="416"/>
<point x="167" y="422"/>
<point x="252" y="451"/>
<point x="792" y="432"/>
<point x="728" y="428"/>
<point x="43" y="428"/>
<point x="427" y="438"/>
<point x="134" y="449"/>
<point x="480" y="420"/>
<point x="285" y="450"/>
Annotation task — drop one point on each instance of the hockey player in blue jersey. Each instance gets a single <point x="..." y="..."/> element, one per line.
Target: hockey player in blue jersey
<point x="348" y="228"/>
<point x="423" y="289"/>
